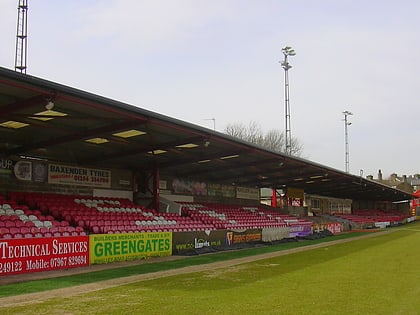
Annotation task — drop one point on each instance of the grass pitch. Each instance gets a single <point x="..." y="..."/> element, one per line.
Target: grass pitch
<point x="377" y="275"/>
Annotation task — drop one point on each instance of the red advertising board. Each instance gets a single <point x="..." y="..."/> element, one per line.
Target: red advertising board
<point x="334" y="228"/>
<point x="42" y="254"/>
<point x="235" y="237"/>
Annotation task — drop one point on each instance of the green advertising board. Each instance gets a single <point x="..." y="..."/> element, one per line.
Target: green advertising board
<point x="106" y="248"/>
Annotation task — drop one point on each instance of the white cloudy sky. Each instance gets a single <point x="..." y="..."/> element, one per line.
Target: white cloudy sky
<point x="195" y="60"/>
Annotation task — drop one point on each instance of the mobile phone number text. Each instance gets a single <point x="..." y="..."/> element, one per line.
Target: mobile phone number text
<point x="9" y="267"/>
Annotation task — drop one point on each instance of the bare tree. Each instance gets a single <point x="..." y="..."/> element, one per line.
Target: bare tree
<point x="273" y="140"/>
<point x="296" y="147"/>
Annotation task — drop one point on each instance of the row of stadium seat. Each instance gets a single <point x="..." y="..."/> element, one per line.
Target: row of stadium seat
<point x="238" y="217"/>
<point x="122" y="215"/>
<point x="119" y="215"/>
<point x="26" y="232"/>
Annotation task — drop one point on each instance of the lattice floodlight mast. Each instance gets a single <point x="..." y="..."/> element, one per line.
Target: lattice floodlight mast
<point x="287" y="51"/>
<point x="346" y="138"/>
<point x="21" y="37"/>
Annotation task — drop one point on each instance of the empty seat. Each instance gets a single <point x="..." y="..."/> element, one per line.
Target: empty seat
<point x="32" y="217"/>
<point x="38" y="224"/>
<point x="19" y="212"/>
<point x="23" y="217"/>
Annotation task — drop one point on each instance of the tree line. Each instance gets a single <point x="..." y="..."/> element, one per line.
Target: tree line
<point x="273" y="140"/>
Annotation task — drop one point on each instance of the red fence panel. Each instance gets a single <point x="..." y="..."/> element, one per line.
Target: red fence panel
<point x="42" y="254"/>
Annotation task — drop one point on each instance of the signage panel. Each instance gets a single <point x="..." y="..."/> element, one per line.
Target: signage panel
<point x="187" y="241"/>
<point x="106" y="248"/>
<point x="43" y="254"/>
<point x="74" y="175"/>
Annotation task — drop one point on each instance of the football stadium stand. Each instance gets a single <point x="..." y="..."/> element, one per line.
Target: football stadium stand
<point x="29" y="214"/>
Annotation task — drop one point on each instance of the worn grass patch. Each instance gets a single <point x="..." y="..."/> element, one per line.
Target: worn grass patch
<point x="78" y="279"/>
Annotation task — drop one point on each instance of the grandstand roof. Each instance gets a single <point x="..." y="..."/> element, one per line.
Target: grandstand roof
<point x="91" y="130"/>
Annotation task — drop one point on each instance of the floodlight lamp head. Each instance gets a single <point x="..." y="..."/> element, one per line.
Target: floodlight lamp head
<point x="346" y="112"/>
<point x="49" y="105"/>
<point x="288" y="51"/>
